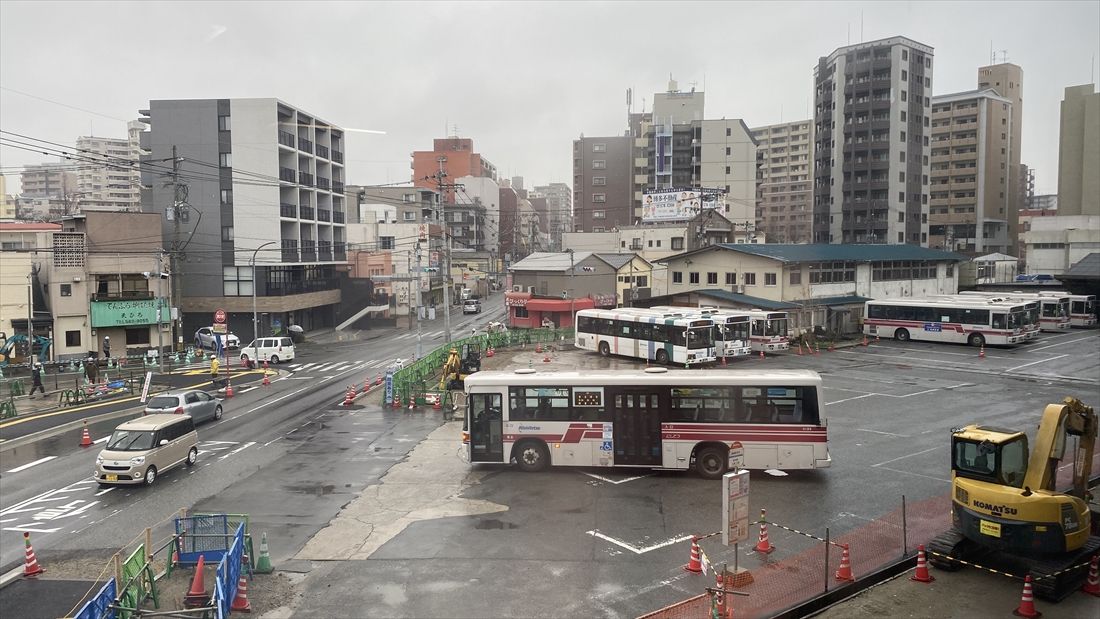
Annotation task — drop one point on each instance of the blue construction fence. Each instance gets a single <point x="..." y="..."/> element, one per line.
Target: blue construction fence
<point x="99" y="607"/>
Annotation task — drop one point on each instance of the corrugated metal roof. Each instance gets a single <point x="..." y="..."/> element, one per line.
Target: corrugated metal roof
<point x="550" y="261"/>
<point x="1086" y="268"/>
<point x="847" y="299"/>
<point x="617" y="261"/>
<point x="995" y="257"/>
<point x="822" y="252"/>
<point x="743" y="299"/>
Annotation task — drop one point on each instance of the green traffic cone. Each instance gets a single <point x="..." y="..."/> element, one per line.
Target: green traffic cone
<point x="263" y="564"/>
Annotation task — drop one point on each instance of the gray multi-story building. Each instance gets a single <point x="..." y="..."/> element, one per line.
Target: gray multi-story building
<point x="254" y="178"/>
<point x="1079" y="152"/>
<point x="784" y="203"/>
<point x="602" y="183"/>
<point x="47" y="180"/>
<point x="872" y="104"/>
<point x="116" y="184"/>
<point x="559" y="207"/>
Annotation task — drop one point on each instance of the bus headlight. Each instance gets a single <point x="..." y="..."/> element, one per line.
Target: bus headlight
<point x="465" y="438"/>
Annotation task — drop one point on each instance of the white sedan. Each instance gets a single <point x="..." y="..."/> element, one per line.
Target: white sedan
<point x="204" y="338"/>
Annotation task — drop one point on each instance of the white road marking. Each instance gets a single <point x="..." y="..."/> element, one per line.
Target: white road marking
<point x="866" y="395"/>
<point x="1035" y="362"/>
<point x="907" y="456"/>
<point x="30" y="464"/>
<point x="272" y="441"/>
<point x="621" y="481"/>
<point x="101" y="440"/>
<point x="885" y="433"/>
<point x="247" y="389"/>
<point x="635" y="549"/>
<point x="104" y="491"/>
<point x="917" y="474"/>
<point x="238" y="450"/>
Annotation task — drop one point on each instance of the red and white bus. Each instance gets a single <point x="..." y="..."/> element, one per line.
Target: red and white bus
<point x="654" y="418"/>
<point x="664" y="337"/>
<point x="1082" y="307"/>
<point x="769" y="331"/>
<point x="960" y="320"/>
<point x="731" y="327"/>
<point x="1054" y="308"/>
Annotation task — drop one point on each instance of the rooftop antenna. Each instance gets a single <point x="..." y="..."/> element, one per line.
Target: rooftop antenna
<point x="861" y="26"/>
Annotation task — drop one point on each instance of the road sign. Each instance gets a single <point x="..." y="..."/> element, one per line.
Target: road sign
<point x="219" y="328"/>
<point x="735" y="507"/>
<point x="219" y="316"/>
<point x="145" y="387"/>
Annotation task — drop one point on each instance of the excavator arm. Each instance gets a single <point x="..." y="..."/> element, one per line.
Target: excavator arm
<point x="1060" y="421"/>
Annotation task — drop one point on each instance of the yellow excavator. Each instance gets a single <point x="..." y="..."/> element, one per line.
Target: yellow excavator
<point x="1007" y="512"/>
<point x="459" y="365"/>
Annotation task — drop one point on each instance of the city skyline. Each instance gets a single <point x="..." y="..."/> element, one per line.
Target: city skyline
<point x="505" y="74"/>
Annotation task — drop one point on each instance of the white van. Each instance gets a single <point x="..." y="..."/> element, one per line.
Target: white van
<point x="273" y="349"/>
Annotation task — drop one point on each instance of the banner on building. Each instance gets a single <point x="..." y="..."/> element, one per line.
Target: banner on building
<point x="127" y="313"/>
<point x="678" y="204"/>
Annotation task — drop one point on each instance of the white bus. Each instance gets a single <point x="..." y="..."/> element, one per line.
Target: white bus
<point x="709" y="420"/>
<point x="731" y="328"/>
<point x="955" y="320"/>
<point x="645" y="334"/>
<point x="769" y="331"/>
<point x="1032" y="308"/>
<point x="1054" y="309"/>
<point x="1082" y="308"/>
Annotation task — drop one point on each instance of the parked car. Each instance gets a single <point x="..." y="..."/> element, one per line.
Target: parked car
<point x="471" y="306"/>
<point x="204" y="338"/>
<point x="201" y="406"/>
<point x="273" y="349"/>
<point x="141" y="449"/>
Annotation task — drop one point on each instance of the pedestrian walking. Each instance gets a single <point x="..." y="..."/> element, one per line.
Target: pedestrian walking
<point x="36" y="376"/>
<point x="107" y="347"/>
<point x="214" y="370"/>
<point x="91" y="370"/>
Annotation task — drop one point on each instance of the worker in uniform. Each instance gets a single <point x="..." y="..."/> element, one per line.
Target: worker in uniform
<point x="107" y="347"/>
<point x="214" y="370"/>
<point x="36" y="376"/>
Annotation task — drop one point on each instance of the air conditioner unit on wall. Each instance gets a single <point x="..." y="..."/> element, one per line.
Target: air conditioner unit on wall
<point x="531" y="289"/>
<point x="740" y="288"/>
<point x="517" y="288"/>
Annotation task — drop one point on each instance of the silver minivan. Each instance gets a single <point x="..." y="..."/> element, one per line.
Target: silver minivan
<point x="141" y="449"/>
<point x="273" y="349"/>
<point x="201" y="406"/>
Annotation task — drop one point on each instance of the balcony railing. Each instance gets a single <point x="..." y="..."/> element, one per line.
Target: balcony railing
<point x="288" y="210"/>
<point x="123" y="295"/>
<point x="306" y="145"/>
<point x="337" y="187"/>
<point x="307" y="212"/>
<point x="286" y="138"/>
<point x="288" y="175"/>
<point x="322" y="151"/>
<point x="301" y="287"/>
<point x="309" y="255"/>
<point x="305" y="178"/>
<point x="338" y="156"/>
<point x="337" y="217"/>
<point x="323" y="215"/>
<point x="290" y="254"/>
<point x="322" y="182"/>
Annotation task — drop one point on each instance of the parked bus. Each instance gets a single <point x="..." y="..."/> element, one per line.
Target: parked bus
<point x="1082" y="307"/>
<point x="1032" y="325"/>
<point x="654" y="418"/>
<point x="1054" y="309"/>
<point x="769" y="331"/>
<point x="959" y="320"/>
<point x="645" y="334"/>
<point x="731" y="328"/>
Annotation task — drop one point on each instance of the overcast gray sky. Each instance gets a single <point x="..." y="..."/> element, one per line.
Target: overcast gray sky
<point x="522" y="79"/>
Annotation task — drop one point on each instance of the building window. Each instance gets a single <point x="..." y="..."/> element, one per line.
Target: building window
<point x="904" y="55"/>
<point x="224" y="124"/>
<point x="227" y="197"/>
<point x="237" y="281"/>
<point x="950" y="270"/>
<point x="796" y="278"/>
<point x="731" y="278"/>
<point x="727" y="151"/>
<point x="677" y="277"/>
<point x="903" y="116"/>
<point x="137" y="337"/>
<point x="832" y="272"/>
<point x="901" y="156"/>
<point x="599" y="148"/>
<point x="901" y="177"/>
<point x="66" y="290"/>
<point x="677" y="242"/>
<point x="770" y="279"/>
<point x="693" y="277"/>
<point x="903" y="136"/>
<point x="386" y="242"/>
<point x="409" y="216"/>
<point x="896" y="270"/>
<point x="727" y="169"/>
<point x="599" y="197"/>
<point x="599" y="164"/>
<point x="599" y="215"/>
<point x="750" y="279"/>
<point x="72" y="338"/>
<point x="729" y="132"/>
<point x="521" y="312"/>
<point x="904" y="75"/>
<point x="712" y="277"/>
<point x="225" y="160"/>
<point x="227" y="234"/>
<point x="904" y="96"/>
<point x="599" y="181"/>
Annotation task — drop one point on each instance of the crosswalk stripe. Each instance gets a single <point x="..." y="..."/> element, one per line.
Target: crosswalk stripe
<point x="304" y="366"/>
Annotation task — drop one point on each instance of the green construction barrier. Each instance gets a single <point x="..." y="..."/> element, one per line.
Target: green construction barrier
<point x="139" y="583"/>
<point x="7" y="409"/>
<point x="16" y="388"/>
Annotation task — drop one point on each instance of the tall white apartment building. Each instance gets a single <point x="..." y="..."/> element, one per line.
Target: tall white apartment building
<point x="115" y="184"/>
<point x="784" y="203"/>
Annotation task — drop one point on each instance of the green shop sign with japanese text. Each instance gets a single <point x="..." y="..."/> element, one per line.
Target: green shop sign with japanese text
<point x="128" y="313"/>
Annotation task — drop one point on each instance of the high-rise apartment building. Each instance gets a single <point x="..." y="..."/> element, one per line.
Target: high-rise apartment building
<point x="260" y="179"/>
<point x="48" y="180"/>
<point x="971" y="190"/>
<point x="1008" y="80"/>
<point x="559" y="206"/>
<point x="784" y="203"/>
<point x="602" y="183"/>
<point x="116" y="184"/>
<point x="1079" y="152"/>
<point x="455" y="157"/>
<point x="872" y="103"/>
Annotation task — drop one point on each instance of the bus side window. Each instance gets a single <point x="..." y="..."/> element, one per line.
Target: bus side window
<point x="998" y="321"/>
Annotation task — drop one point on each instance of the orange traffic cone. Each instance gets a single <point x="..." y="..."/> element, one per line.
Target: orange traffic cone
<point x="86" y="439"/>
<point x="546" y="357"/>
<point x="720" y="594"/>
<point x="197" y="596"/>
<point x="761" y="353"/>
<point x="817" y="349"/>
<point x="864" y="344"/>
<point x="538" y="347"/>
<point x="438" y="404"/>
<point x="724" y="363"/>
<point x="845" y="571"/>
<point x="800" y="349"/>
<point x="981" y="352"/>
<point x="30" y="562"/>
<point x="349" y="396"/>
<point x="831" y="347"/>
<point x="877" y="338"/>
<point x="240" y="601"/>
<point x="1092" y="585"/>
<point x="228" y="388"/>
<point x="763" y="545"/>
<point x="695" y="563"/>
<point x="412" y="401"/>
<point x="396" y="401"/>
<point x="1027" y="601"/>
<point x="378" y="379"/>
<point x="489" y="353"/>
<point x="366" y="385"/>
<point x="266" y="382"/>
<point x="921" y="575"/>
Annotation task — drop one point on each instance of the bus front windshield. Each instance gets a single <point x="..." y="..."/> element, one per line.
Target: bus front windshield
<point x="700" y="337"/>
<point x="1017" y="320"/>
<point x="735" y="331"/>
<point x="776" y="326"/>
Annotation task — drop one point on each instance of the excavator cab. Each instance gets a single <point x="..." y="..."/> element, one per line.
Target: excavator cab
<point x="471" y="358"/>
<point x="990" y="454"/>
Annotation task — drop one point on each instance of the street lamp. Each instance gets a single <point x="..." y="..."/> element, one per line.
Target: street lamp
<point x="255" y="322"/>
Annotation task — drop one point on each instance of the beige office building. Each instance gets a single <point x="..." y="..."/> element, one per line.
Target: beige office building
<point x="1008" y="80"/>
<point x="784" y="198"/>
<point x="970" y="189"/>
<point x="1079" y="152"/>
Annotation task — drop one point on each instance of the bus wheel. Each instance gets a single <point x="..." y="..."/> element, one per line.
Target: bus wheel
<point x="532" y="456"/>
<point x="711" y="463"/>
<point x="605" y="350"/>
<point x="976" y="339"/>
<point x="662" y="357"/>
<point x="901" y="335"/>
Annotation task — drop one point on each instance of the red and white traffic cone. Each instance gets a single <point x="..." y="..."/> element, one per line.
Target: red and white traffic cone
<point x="800" y="349"/>
<point x="724" y="611"/>
<point x="864" y="344"/>
<point x="724" y="363"/>
<point x="695" y="563"/>
<point x="1092" y="585"/>
<point x="832" y="348"/>
<point x="763" y="545"/>
<point x="921" y="575"/>
<point x="761" y="353"/>
<point x="981" y="352"/>
<point x="396" y="401"/>
<point x="378" y="379"/>
<point x="228" y="388"/>
<point x="85" y="438"/>
<point x="31" y="567"/>
<point x="489" y="353"/>
<point x="845" y="571"/>
<point x="240" y="601"/>
<point x="817" y="349"/>
<point x="366" y="384"/>
<point x="266" y="382"/>
<point x="546" y="357"/>
<point x="1027" y="602"/>
<point x="438" y="404"/>
<point x="349" y="396"/>
<point x="538" y="347"/>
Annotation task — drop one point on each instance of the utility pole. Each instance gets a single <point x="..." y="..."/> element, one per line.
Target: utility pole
<point x="419" y="326"/>
<point x="441" y="187"/>
<point x="572" y="291"/>
<point x="179" y="200"/>
<point x="30" y="318"/>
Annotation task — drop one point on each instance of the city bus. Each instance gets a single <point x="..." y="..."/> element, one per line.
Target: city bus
<point x="706" y="420"/>
<point x="769" y="331"/>
<point x="664" y="337"/>
<point x="1082" y="308"/>
<point x="731" y="328"/>
<point x="1032" y="308"/>
<point x="974" y="321"/>
<point x="1054" y="309"/>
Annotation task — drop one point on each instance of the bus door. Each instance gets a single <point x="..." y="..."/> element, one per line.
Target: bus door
<point x="483" y="410"/>
<point x="637" y="425"/>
